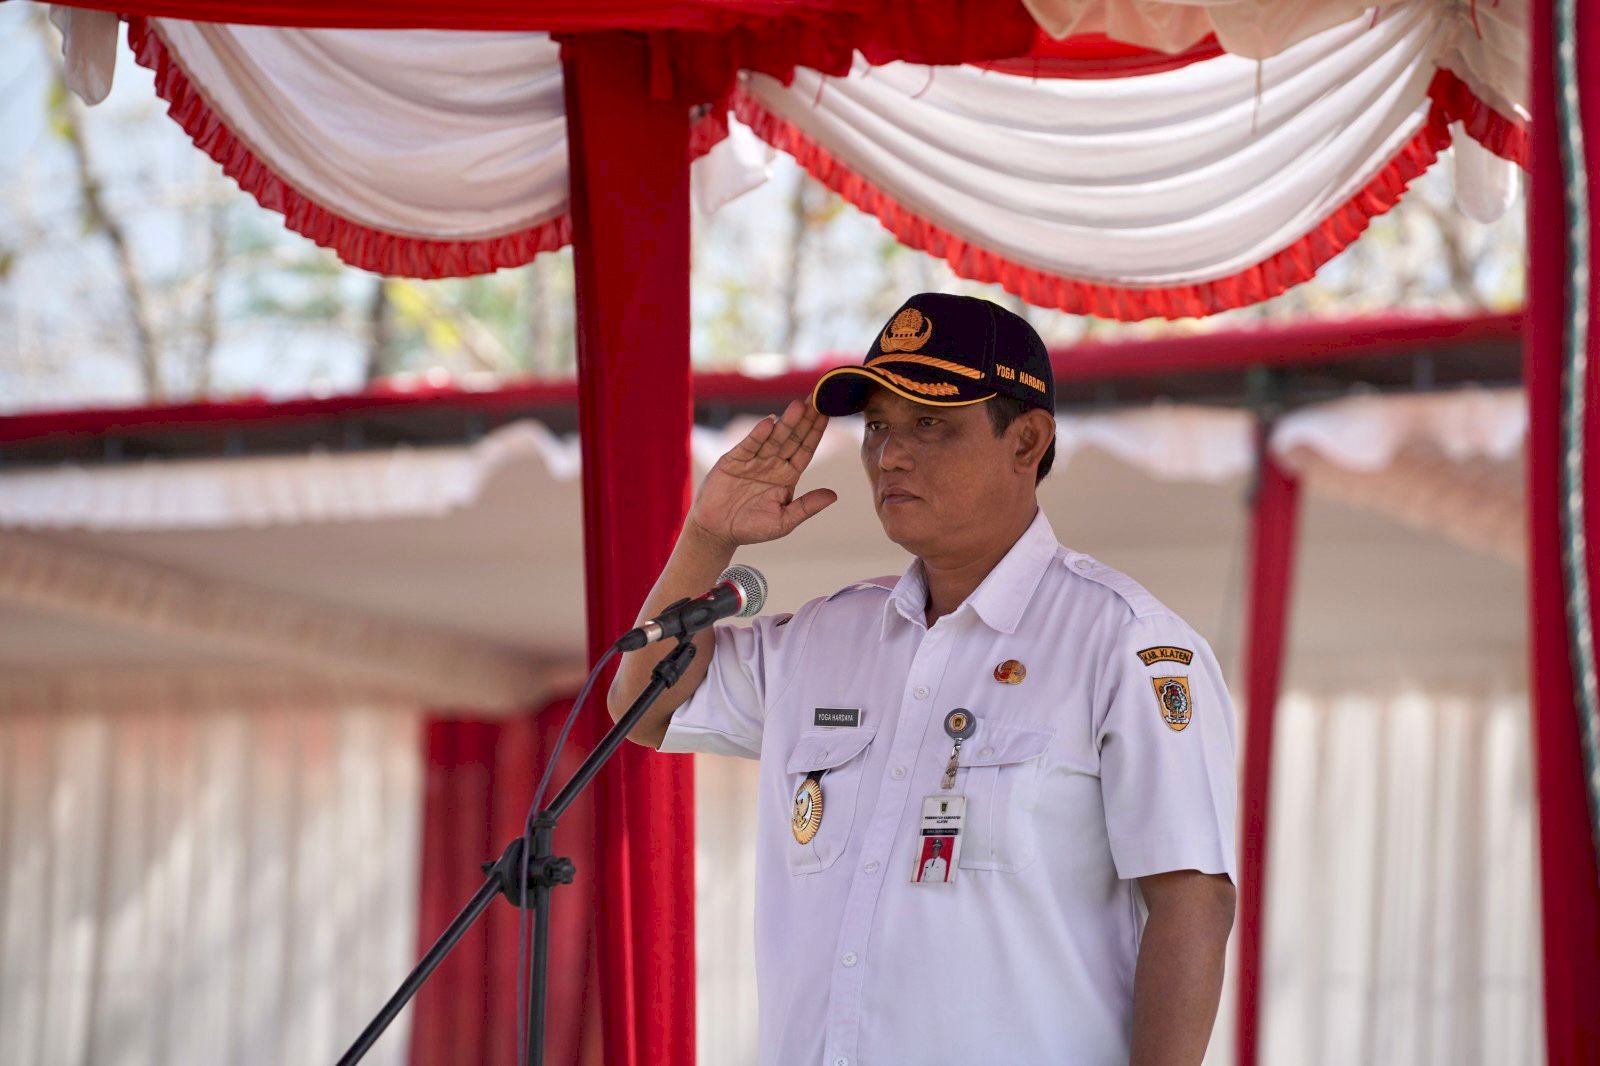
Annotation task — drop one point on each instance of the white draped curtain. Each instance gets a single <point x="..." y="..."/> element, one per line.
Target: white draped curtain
<point x="1402" y="905"/>
<point x="1212" y="185"/>
<point x="204" y="881"/>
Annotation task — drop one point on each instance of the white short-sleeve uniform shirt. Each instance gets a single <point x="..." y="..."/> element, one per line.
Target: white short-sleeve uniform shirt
<point x="1102" y="765"/>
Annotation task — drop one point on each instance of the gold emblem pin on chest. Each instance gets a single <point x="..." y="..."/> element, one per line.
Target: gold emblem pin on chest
<point x="1010" y="672"/>
<point x="807" y="817"/>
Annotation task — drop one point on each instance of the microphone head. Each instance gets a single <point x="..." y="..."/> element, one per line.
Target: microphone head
<point x="751" y="585"/>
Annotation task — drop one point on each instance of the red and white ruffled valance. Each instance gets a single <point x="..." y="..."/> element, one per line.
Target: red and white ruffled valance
<point x="1179" y="193"/>
<point x="1212" y="182"/>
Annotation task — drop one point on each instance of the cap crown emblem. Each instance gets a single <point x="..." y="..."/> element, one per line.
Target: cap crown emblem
<point x="908" y="332"/>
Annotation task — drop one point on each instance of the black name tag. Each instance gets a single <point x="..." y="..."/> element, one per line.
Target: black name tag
<point x="838" y="716"/>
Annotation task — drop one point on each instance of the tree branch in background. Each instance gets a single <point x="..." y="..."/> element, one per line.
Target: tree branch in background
<point x="203" y="371"/>
<point x="380" y="337"/>
<point x="802" y="221"/>
<point x="67" y="123"/>
<point x="445" y="326"/>
<point x="1450" y="226"/>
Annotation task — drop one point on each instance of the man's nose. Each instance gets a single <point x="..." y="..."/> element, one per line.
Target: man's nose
<point x="893" y="454"/>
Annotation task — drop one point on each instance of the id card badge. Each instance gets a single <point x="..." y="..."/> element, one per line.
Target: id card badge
<point x="939" y="841"/>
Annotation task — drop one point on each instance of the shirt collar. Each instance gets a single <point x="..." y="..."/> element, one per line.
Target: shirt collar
<point x="1002" y="595"/>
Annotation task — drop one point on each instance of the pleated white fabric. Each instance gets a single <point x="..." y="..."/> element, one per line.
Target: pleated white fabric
<point x="1402" y="916"/>
<point x="386" y="145"/>
<point x="1251" y="28"/>
<point x="1186" y="176"/>
<point x="437" y="134"/>
<point x="192" y="884"/>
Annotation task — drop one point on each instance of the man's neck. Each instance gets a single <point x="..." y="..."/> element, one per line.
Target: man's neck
<point x="952" y="579"/>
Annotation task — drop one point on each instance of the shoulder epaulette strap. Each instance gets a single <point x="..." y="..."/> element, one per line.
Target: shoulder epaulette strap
<point x="886" y="584"/>
<point x="1135" y="595"/>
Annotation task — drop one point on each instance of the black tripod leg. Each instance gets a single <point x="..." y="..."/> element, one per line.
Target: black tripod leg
<point x="430" y="961"/>
<point x="541" y="965"/>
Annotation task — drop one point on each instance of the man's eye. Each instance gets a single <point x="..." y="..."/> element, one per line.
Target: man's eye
<point x="874" y="427"/>
<point x="927" y="420"/>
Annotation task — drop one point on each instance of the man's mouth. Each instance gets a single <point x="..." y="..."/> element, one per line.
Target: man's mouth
<point x="891" y="497"/>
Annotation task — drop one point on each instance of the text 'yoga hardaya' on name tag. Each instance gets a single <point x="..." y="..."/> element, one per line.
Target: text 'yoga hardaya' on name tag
<point x="839" y="716"/>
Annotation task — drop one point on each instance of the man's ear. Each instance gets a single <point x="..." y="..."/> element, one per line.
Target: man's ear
<point x="1034" y="429"/>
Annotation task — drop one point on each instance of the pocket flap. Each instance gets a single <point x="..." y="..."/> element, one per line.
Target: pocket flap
<point x="997" y="745"/>
<point x="824" y="749"/>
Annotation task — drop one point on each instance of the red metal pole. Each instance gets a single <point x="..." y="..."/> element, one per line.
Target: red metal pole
<point x="1568" y="881"/>
<point x="1275" y="518"/>
<point x="630" y="223"/>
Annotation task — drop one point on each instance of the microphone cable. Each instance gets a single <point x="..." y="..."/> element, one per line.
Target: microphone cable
<point x="524" y="960"/>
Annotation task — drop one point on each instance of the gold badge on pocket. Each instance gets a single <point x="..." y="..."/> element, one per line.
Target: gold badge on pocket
<point x="807" y="818"/>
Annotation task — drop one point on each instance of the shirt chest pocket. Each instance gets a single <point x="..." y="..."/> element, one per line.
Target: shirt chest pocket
<point x="999" y="775"/>
<point x="825" y="764"/>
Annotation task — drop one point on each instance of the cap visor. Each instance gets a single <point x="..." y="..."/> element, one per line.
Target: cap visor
<point x="844" y="391"/>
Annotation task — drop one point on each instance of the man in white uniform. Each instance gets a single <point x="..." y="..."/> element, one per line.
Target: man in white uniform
<point x="1068" y="733"/>
<point x="936" y="869"/>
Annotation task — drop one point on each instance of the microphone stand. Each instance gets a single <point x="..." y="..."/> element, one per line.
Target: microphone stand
<point x="546" y="870"/>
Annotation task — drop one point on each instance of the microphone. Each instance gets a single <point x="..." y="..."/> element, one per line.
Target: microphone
<point x="740" y="592"/>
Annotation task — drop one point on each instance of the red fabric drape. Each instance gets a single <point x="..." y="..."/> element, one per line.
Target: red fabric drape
<point x="696" y="46"/>
<point x="1272" y="543"/>
<point x="479" y="781"/>
<point x="630" y="222"/>
<point x="1094" y="55"/>
<point x="566" y="15"/>
<point x="1569" y="885"/>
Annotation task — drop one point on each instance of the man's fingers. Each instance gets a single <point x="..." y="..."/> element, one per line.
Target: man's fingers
<point x="805" y="434"/>
<point x="814" y="502"/>
<point x="782" y="431"/>
<point x="813" y="436"/>
<point x="751" y="444"/>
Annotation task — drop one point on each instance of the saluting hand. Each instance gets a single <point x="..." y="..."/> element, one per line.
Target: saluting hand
<point x="748" y="497"/>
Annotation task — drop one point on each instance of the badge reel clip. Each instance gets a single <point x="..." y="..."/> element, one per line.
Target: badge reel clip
<point x="939" y="834"/>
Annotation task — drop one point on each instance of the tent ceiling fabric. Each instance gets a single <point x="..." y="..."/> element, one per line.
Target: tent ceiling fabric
<point x="1364" y="434"/>
<point x="1209" y="186"/>
<point x="478" y="547"/>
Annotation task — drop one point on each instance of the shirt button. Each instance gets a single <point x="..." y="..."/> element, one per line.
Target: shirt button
<point x="986" y="752"/>
<point x="849" y="958"/>
<point x="898" y="772"/>
<point x="1082" y="564"/>
<point x="841" y="1061"/>
<point x="920" y="692"/>
<point x="871" y="867"/>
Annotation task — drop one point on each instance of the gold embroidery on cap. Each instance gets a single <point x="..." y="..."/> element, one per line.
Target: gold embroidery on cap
<point x="1030" y="381"/>
<point x="908" y="332"/>
<point x="937" y="388"/>
<point x="928" y="360"/>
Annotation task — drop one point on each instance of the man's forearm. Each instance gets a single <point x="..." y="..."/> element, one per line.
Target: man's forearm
<point x="1178" y="977"/>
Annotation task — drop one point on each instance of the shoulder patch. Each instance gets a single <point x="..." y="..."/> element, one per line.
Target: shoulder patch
<point x="1135" y="595"/>
<point x="1163" y="654"/>
<point x="885" y="584"/>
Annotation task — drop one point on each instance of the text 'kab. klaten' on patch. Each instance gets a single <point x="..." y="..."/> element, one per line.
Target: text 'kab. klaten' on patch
<point x="1151" y="656"/>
